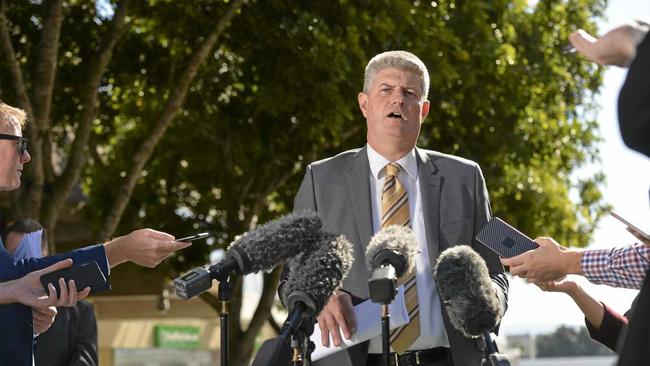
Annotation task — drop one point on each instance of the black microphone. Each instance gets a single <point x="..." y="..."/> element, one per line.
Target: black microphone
<point x="256" y="250"/>
<point x="390" y="254"/>
<point x="313" y="277"/>
<point x="465" y="287"/>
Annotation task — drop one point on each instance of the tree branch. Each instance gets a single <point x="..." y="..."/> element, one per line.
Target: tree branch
<point x="88" y="96"/>
<point x="174" y="103"/>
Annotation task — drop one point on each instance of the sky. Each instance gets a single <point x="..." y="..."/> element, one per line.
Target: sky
<point x="628" y="179"/>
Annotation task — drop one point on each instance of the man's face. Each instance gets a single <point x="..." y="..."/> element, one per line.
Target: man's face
<point x="394" y="110"/>
<point x="11" y="161"/>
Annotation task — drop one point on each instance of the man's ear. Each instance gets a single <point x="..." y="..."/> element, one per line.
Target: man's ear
<point x="363" y="103"/>
<point x="425" y="109"/>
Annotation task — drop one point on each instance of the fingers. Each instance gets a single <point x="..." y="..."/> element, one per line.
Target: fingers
<point x="178" y="245"/>
<point x="63" y="293"/>
<point x="156" y="234"/>
<point x="56" y="266"/>
<point x="324" y="331"/>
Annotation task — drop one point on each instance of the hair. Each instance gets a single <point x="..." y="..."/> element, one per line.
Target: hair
<point x="26" y="226"/>
<point x="401" y="60"/>
<point x="9" y="115"/>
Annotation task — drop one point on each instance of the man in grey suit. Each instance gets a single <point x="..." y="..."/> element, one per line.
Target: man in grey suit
<point x="447" y="202"/>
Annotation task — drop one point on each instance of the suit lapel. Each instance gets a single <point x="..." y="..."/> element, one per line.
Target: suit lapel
<point x="358" y="185"/>
<point x="430" y="188"/>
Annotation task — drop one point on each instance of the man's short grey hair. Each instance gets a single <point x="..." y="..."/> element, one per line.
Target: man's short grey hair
<point x="10" y="115"/>
<point x="401" y="60"/>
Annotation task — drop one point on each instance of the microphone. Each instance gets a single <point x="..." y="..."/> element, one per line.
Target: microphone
<point x="390" y="254"/>
<point x="312" y="279"/>
<point x="467" y="292"/>
<point x="256" y="250"/>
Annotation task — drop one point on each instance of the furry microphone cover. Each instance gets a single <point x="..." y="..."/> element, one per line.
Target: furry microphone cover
<point x="466" y="290"/>
<point x="315" y="275"/>
<point x="276" y="241"/>
<point x="397" y="239"/>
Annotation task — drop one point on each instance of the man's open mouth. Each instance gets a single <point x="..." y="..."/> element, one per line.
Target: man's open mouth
<point x="395" y="115"/>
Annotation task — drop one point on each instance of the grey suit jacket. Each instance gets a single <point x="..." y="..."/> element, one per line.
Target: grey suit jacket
<point x="455" y="207"/>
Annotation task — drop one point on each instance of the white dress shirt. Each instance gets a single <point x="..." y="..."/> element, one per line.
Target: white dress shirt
<point x="432" y="328"/>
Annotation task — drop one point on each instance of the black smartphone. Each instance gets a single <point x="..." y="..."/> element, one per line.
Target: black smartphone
<point x="194" y="237"/>
<point x="84" y="275"/>
<point x="504" y="239"/>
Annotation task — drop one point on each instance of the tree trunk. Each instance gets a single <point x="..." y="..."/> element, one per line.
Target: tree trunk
<point x="174" y="103"/>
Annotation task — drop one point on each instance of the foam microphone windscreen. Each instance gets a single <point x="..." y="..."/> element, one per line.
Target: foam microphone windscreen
<point x="313" y="276"/>
<point x="396" y="245"/>
<point x="276" y="241"/>
<point x="467" y="291"/>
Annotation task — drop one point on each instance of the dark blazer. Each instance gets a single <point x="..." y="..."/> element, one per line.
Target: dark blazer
<point x="455" y="207"/>
<point x="635" y="350"/>
<point x="634" y="101"/>
<point x="16" y="334"/>
<point x="71" y="340"/>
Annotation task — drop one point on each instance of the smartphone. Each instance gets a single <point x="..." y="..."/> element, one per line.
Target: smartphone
<point x="194" y="237"/>
<point x="504" y="239"/>
<point x="636" y="229"/>
<point x="84" y="275"/>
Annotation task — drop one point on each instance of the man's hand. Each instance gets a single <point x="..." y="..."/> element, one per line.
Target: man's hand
<point x="549" y="262"/>
<point x="616" y="47"/>
<point x="337" y="316"/>
<point x="28" y="290"/>
<point x="43" y="319"/>
<point x="144" y="247"/>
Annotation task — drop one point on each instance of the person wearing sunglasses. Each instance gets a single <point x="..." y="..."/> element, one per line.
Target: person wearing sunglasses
<point x="18" y="282"/>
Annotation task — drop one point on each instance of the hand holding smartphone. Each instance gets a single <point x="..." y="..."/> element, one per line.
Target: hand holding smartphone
<point x="194" y="237"/>
<point x="84" y="275"/>
<point x="504" y="239"/>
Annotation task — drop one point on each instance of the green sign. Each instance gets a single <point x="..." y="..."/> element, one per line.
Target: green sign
<point x="176" y="336"/>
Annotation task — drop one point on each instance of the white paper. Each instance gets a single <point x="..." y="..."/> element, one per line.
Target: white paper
<point x="368" y="315"/>
<point x="29" y="247"/>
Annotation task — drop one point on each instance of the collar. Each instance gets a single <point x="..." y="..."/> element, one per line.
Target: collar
<point x="408" y="162"/>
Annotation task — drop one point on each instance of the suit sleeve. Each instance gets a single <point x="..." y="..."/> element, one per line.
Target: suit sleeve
<point x="10" y="270"/>
<point x="482" y="215"/>
<point x="610" y="328"/>
<point x="634" y="101"/>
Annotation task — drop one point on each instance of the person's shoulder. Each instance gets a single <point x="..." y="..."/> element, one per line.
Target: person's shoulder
<point x="336" y="161"/>
<point x="447" y="160"/>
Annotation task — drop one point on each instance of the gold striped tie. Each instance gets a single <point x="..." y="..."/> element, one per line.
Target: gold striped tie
<point x="395" y="211"/>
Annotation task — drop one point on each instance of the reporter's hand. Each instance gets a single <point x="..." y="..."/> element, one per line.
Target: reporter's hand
<point x="616" y="47"/>
<point x="144" y="247"/>
<point x="549" y="262"/>
<point x="337" y="316"/>
<point x="43" y="318"/>
<point x="562" y="285"/>
<point x="28" y="290"/>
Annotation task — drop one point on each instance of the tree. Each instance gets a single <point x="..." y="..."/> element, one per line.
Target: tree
<point x="278" y="91"/>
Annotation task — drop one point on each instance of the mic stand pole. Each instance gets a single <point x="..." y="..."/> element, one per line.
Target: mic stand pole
<point x="381" y="286"/>
<point x="492" y="355"/>
<point x="296" y="359"/>
<point x="385" y="332"/>
<point x="224" y="295"/>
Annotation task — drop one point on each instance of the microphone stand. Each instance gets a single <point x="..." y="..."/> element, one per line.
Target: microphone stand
<point x="224" y="295"/>
<point x="492" y="355"/>
<point x="382" y="290"/>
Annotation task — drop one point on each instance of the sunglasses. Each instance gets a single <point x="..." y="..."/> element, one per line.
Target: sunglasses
<point x="22" y="147"/>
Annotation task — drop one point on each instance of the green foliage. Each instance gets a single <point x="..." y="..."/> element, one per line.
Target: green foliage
<point x="279" y="91"/>
<point x="569" y="342"/>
